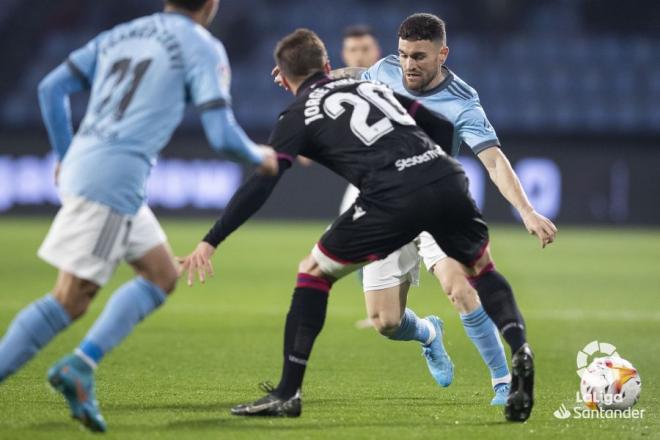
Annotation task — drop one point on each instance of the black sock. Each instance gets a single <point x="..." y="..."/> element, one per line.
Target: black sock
<point x="497" y="300"/>
<point x="303" y="324"/>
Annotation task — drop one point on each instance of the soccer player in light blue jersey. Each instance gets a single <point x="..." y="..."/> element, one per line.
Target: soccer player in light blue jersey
<point x="142" y="74"/>
<point x="419" y="72"/>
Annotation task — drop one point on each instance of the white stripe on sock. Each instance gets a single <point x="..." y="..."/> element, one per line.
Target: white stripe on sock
<point x="499" y="380"/>
<point x="86" y="359"/>
<point x="432" y="334"/>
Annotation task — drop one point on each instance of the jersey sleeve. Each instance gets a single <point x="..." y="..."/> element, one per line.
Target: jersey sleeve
<point x="474" y="129"/>
<point x="371" y="74"/>
<point x="288" y="137"/>
<point x="54" y="91"/>
<point x="208" y="76"/>
<point x="82" y="62"/>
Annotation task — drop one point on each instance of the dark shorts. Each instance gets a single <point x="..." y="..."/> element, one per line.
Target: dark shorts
<point x="370" y="230"/>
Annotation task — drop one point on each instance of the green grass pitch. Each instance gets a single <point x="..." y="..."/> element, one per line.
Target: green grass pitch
<point x="179" y="373"/>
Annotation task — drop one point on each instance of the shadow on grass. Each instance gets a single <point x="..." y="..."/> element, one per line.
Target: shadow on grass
<point x="178" y="406"/>
<point x="227" y="422"/>
<point x="417" y="401"/>
<point x="283" y="424"/>
<point x="224" y="407"/>
<point x="64" y="425"/>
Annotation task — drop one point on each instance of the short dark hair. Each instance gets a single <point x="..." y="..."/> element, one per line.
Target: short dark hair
<point x="300" y="54"/>
<point x="423" y="26"/>
<point x="190" y="5"/>
<point x="358" y="31"/>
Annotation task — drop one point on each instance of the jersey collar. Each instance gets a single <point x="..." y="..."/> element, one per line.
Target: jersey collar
<point x="313" y="81"/>
<point x="449" y="77"/>
<point x="180" y="14"/>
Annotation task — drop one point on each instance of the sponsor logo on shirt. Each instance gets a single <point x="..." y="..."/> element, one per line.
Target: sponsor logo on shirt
<point x="412" y="161"/>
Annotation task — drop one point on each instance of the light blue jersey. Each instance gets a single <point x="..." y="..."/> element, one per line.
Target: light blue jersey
<point x="142" y="73"/>
<point x="452" y="99"/>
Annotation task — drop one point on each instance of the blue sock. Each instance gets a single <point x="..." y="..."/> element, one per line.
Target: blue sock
<point x="412" y="328"/>
<point x="30" y="331"/>
<point x="129" y="305"/>
<point x="485" y="337"/>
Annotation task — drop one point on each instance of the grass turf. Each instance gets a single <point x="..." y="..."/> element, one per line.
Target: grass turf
<point x="178" y="374"/>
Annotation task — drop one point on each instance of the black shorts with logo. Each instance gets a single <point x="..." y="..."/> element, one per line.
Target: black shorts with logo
<point x="372" y="229"/>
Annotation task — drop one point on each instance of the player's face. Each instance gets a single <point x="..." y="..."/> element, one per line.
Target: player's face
<point x="360" y="51"/>
<point x="421" y="62"/>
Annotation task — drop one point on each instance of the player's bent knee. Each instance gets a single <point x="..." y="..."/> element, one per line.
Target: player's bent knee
<point x="167" y="279"/>
<point x="75" y="294"/>
<point x="386" y="326"/>
<point x="384" y="321"/>
<point x="168" y="283"/>
<point x="330" y="267"/>
<point x="310" y="266"/>
<point x="157" y="266"/>
<point x="461" y="294"/>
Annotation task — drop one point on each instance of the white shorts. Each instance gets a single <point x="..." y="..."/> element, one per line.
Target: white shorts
<point x="429" y="250"/>
<point x="402" y="265"/>
<point x="89" y="239"/>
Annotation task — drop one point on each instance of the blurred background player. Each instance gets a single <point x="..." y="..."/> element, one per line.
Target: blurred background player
<point x="389" y="146"/>
<point x="419" y="72"/>
<point x="141" y="75"/>
<point x="360" y="47"/>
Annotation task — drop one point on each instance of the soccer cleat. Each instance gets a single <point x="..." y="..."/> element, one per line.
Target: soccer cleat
<point x="501" y="394"/>
<point x="270" y="405"/>
<point x="521" y="396"/>
<point x="437" y="359"/>
<point x="74" y="379"/>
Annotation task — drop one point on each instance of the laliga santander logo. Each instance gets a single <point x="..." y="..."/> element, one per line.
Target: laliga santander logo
<point x="562" y="412"/>
<point x="609" y="386"/>
<point x="586" y="355"/>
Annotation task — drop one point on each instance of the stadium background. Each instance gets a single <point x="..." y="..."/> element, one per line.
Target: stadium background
<point x="572" y="87"/>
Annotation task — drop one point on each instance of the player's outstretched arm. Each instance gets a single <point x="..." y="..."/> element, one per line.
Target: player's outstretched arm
<point x="249" y="198"/>
<point x="506" y="180"/>
<point x="226" y="136"/>
<point x="54" y="91"/>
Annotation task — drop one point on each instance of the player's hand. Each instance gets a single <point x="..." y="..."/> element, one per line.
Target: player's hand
<point x="538" y="225"/>
<point x="277" y="78"/>
<point x="269" y="166"/>
<point x="199" y="262"/>
<point x="56" y="174"/>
